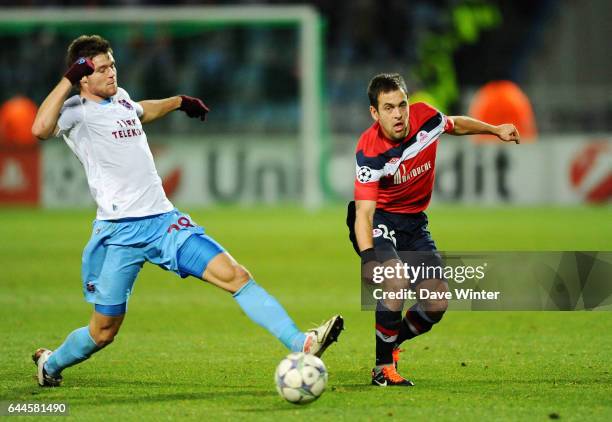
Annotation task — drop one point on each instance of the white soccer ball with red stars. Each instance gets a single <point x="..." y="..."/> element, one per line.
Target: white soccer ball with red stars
<point x="300" y="378"/>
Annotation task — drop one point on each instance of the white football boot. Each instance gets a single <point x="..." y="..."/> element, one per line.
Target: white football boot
<point x="45" y="380"/>
<point x="319" y="338"/>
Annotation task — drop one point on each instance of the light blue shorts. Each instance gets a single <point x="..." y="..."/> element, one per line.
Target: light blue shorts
<point x="118" y="249"/>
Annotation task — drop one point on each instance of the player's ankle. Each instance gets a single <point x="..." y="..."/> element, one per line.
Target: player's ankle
<point x="381" y="366"/>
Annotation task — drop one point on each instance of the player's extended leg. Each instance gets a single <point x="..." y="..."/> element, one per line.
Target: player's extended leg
<point x="261" y="307"/>
<point x="204" y="258"/>
<point x="79" y="345"/>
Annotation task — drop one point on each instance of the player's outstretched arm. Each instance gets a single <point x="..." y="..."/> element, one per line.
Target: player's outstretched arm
<point x="464" y="125"/>
<point x="155" y="109"/>
<point x="45" y="123"/>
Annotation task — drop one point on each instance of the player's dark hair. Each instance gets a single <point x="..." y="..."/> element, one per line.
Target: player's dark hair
<point x="87" y="46"/>
<point x="384" y="82"/>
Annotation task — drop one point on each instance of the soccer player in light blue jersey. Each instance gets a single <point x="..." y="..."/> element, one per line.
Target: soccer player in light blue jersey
<point x="135" y="222"/>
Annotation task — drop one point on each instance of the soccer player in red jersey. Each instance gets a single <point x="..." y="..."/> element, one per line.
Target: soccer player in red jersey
<point x="396" y="159"/>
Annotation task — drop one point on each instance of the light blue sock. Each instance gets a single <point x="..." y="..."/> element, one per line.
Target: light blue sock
<point x="77" y="347"/>
<point x="264" y="310"/>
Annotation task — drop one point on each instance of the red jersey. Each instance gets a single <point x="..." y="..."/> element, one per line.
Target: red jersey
<point x="399" y="176"/>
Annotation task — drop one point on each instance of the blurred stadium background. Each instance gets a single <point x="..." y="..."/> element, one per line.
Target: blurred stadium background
<point x="286" y="83"/>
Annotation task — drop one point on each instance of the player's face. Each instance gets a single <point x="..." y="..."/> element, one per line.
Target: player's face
<point x="392" y="114"/>
<point x="102" y="82"/>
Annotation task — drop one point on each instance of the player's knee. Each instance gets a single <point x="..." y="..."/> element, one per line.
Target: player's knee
<point x="233" y="277"/>
<point x="104" y="337"/>
<point x="434" y="310"/>
<point x="436" y="306"/>
<point x="240" y="277"/>
<point x="436" y="313"/>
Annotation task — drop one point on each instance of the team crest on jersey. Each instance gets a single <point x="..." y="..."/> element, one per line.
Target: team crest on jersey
<point x="377" y="232"/>
<point x="126" y="104"/>
<point x="422" y="136"/>
<point x="90" y="287"/>
<point x="364" y="174"/>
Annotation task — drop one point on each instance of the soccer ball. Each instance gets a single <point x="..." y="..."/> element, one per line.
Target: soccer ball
<point x="300" y="378"/>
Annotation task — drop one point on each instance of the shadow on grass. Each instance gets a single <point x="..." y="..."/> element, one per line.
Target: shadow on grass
<point x="118" y="395"/>
<point x="353" y="387"/>
<point x="94" y="396"/>
<point x="107" y="391"/>
<point x="281" y="407"/>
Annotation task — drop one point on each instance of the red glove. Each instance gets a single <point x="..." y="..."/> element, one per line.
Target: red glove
<point x="194" y="107"/>
<point x="82" y="67"/>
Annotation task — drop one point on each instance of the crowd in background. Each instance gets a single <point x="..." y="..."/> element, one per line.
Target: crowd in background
<point x="250" y="76"/>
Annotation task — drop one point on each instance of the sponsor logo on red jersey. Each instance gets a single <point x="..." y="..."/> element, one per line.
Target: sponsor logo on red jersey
<point x="404" y="174"/>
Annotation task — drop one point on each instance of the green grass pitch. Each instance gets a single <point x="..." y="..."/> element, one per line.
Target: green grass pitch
<point x="186" y="350"/>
